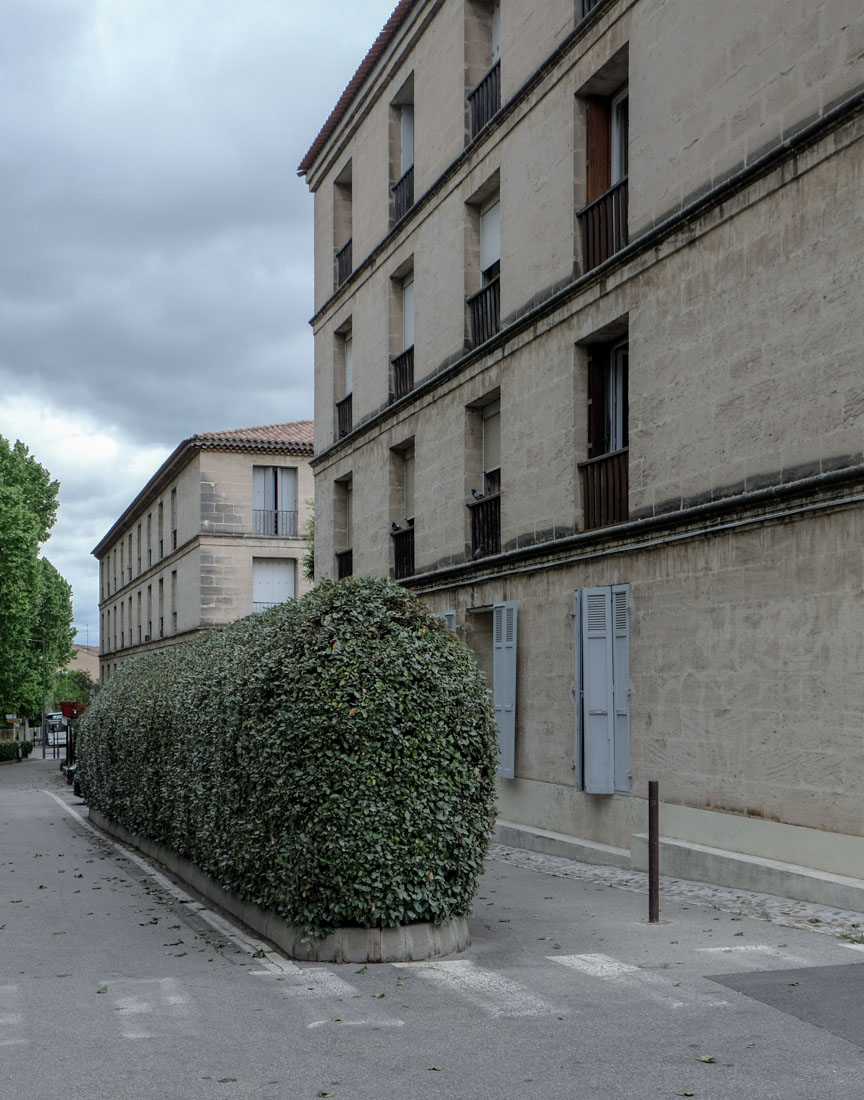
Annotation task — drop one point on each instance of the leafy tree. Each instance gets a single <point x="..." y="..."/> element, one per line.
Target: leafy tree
<point x="35" y="601"/>
<point x="72" y="685"/>
<point x="307" y="562"/>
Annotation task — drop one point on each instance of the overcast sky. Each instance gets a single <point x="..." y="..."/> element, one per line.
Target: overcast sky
<point x="155" y="240"/>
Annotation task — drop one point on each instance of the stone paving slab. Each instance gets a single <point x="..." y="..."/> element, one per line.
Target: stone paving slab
<point x="784" y="911"/>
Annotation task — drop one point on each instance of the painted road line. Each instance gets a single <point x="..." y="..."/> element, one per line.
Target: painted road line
<point x="267" y="960"/>
<point x="750" y="954"/>
<point x="150" y="1007"/>
<point x="348" y="1006"/>
<point x="494" y="994"/>
<point x="648" y="982"/>
<point x="11" y="1019"/>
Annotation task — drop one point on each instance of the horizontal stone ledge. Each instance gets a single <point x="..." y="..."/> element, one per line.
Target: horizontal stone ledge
<point x="406" y="943"/>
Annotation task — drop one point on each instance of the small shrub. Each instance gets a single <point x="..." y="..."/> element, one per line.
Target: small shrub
<point x="332" y="759"/>
<point x="9" y="749"/>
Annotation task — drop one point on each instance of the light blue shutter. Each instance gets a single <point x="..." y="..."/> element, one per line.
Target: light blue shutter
<point x="449" y="618"/>
<point x="259" y="487"/>
<point x="286" y="497"/>
<point x="598" y="702"/>
<point x="578" y="755"/>
<point x="621" y="684"/>
<point x="504" y="684"/>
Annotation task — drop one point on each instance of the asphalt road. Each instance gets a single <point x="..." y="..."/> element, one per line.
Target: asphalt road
<point x="116" y="983"/>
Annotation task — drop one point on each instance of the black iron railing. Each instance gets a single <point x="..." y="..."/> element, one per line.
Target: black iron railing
<point x="485" y="308"/>
<point x="403" y="552"/>
<point x="485" y="526"/>
<point x="588" y="6"/>
<point x="403" y="372"/>
<point x="403" y="194"/>
<point x="604" y="489"/>
<point x="270" y="521"/>
<point x="344" y="563"/>
<point x="344" y="418"/>
<point x="604" y="226"/>
<point x="485" y="99"/>
<point x="344" y="265"/>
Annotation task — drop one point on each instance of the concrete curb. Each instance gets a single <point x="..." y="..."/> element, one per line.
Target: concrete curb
<point x="407" y="943"/>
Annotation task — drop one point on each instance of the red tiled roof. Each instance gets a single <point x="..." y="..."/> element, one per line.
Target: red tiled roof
<point x="299" y="432"/>
<point x="385" y="37"/>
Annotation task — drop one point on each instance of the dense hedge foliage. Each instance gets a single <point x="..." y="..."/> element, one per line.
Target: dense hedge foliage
<point x="9" y="749"/>
<point x="332" y="759"/>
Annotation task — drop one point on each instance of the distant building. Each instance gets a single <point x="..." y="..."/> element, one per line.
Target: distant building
<point x="218" y="532"/>
<point x="86" y="659"/>
<point x="589" y="305"/>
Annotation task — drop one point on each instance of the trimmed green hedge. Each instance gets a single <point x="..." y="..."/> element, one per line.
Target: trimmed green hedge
<point x="9" y="749"/>
<point x="332" y="759"/>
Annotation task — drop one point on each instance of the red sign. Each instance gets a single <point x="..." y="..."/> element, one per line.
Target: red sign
<point x="72" y="710"/>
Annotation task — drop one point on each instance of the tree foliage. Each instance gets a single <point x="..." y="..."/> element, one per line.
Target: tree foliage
<point x="35" y="601"/>
<point x="71" y="685"/>
<point x="332" y="759"/>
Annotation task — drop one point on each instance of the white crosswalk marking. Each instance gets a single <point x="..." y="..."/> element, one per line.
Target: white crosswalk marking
<point x="150" y="1007"/>
<point x="335" y="1001"/>
<point x="11" y="1020"/>
<point x="655" y="986"/>
<point x="496" y="995"/>
<point x="750" y="955"/>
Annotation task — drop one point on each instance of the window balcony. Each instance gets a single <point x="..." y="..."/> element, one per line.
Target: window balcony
<point x="344" y="563"/>
<point x="344" y="419"/>
<point x="403" y="373"/>
<point x="604" y="226"/>
<point x="485" y="526"/>
<point x="485" y="308"/>
<point x="485" y="99"/>
<point x="403" y="550"/>
<point x="403" y="194"/>
<point x="605" y="490"/>
<point x="344" y="263"/>
<point x="259" y="605"/>
<point x="268" y="521"/>
<point x="587" y="6"/>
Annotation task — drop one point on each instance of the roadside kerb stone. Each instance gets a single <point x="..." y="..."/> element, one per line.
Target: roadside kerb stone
<point x="407" y="943"/>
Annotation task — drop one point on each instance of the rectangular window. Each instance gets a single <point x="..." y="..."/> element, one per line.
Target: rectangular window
<point x="602" y="673"/>
<point x="344" y="374"/>
<point x="342" y="225"/>
<point x="485" y="305"/>
<point x="402" y="150"/>
<point x="173" y="601"/>
<point x="273" y="581"/>
<point x="161" y="525"/>
<point x="484" y="100"/>
<point x="173" y="519"/>
<point x="343" y="527"/>
<point x="605" y="480"/>
<point x="603" y="220"/>
<point x="485" y="506"/>
<point x="149" y="539"/>
<point x="274" y="500"/>
<point x="402" y="529"/>
<point x="139" y="549"/>
<point x="161" y="607"/>
<point x="129" y="561"/>
<point x="149" y="634"/>
<point x="139" y="620"/>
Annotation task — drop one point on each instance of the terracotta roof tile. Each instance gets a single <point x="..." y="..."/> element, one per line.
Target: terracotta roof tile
<point x="388" y="32"/>
<point x="299" y="432"/>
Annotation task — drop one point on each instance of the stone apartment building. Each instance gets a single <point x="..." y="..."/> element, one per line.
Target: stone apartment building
<point x="660" y="569"/>
<point x="217" y="533"/>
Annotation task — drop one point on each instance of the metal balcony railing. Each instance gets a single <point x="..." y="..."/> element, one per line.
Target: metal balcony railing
<point x="485" y="308"/>
<point x="604" y="226"/>
<point x="270" y="521"/>
<point x="485" y="526"/>
<point x="604" y="489"/>
<point x="344" y="265"/>
<point x="344" y="416"/>
<point x="403" y="552"/>
<point x="403" y="194"/>
<point x="344" y="563"/>
<point x="260" y="605"/>
<point x="485" y="99"/>
<point x="403" y="372"/>
<point x="588" y="6"/>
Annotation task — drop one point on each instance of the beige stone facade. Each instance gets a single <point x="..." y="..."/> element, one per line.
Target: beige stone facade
<point x="675" y="362"/>
<point x="218" y="532"/>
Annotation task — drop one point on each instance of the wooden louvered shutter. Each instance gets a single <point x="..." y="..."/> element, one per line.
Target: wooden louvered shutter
<point x="598" y="382"/>
<point x="504" y="684"/>
<point x="598" y="166"/>
<point x="598" y="702"/>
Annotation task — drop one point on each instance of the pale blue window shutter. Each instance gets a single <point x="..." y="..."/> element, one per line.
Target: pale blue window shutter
<point x="598" y="702"/>
<point x="449" y="618"/>
<point x="621" y="684"/>
<point x="578" y="755"/>
<point x="259" y="487"/>
<point x="504" y="684"/>
<point x="286" y="498"/>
